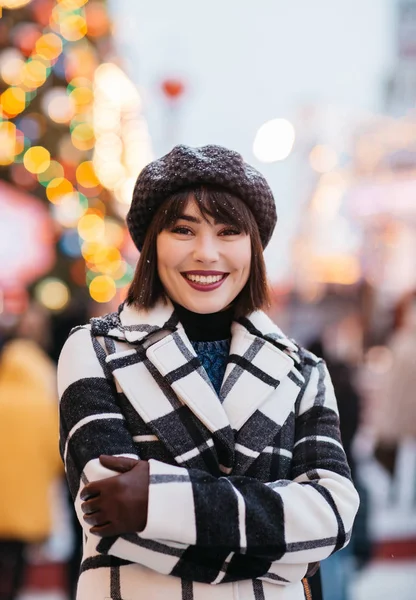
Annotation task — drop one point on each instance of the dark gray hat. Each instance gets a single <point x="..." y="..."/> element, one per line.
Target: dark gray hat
<point x="186" y="167"/>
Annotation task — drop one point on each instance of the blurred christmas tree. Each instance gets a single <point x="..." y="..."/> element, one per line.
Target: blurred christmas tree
<point x="72" y="134"/>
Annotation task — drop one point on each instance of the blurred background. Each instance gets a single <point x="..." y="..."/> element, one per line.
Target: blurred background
<point x="321" y="98"/>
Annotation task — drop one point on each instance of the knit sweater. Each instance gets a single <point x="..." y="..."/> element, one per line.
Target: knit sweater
<point x="213" y="357"/>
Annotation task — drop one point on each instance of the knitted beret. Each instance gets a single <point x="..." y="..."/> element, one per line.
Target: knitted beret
<point x="185" y="167"/>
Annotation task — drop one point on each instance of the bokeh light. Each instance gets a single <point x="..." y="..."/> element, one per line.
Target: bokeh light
<point x="11" y="4"/>
<point x="83" y="136"/>
<point x="113" y="86"/>
<point x="82" y="97"/>
<point x="111" y="175"/>
<point x="73" y="27"/>
<point x="70" y="209"/>
<point x="7" y="142"/>
<point x="52" y="293"/>
<point x="71" y="4"/>
<point x="37" y="159"/>
<point x="86" y="176"/>
<point x="91" y="227"/>
<point x="41" y="10"/>
<point x="32" y="125"/>
<point x="25" y="36"/>
<point x="58" y="106"/>
<point x="49" y="46"/>
<point x="91" y="250"/>
<point x="97" y="18"/>
<point x="274" y="140"/>
<point x="120" y="273"/>
<point x="70" y="243"/>
<point x="126" y="278"/>
<point x="102" y="288"/>
<point x="114" y="233"/>
<point x="55" y="170"/>
<point x="109" y="262"/>
<point x="323" y="158"/>
<point x="11" y="64"/>
<point x="13" y="101"/>
<point x="33" y="75"/>
<point x="124" y="192"/>
<point x="80" y="62"/>
<point x="58" y="188"/>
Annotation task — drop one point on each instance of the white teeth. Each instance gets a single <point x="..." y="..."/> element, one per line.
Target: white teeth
<point x="204" y="279"/>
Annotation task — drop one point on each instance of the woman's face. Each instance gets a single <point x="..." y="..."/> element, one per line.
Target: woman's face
<point x="203" y="265"/>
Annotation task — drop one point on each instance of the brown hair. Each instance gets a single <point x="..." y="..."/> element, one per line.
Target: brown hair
<point x="146" y="287"/>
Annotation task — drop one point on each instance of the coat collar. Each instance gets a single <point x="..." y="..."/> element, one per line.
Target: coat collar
<point x="261" y="357"/>
<point x="133" y="325"/>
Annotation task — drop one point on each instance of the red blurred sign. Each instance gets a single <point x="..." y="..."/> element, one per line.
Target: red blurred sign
<point x="173" y="88"/>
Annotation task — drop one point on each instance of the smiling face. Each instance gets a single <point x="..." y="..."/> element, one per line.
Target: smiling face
<point x="202" y="264"/>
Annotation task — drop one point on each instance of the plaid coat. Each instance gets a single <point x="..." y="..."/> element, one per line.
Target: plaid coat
<point x="245" y="489"/>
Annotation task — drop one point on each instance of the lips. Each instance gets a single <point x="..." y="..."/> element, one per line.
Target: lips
<point x="205" y="281"/>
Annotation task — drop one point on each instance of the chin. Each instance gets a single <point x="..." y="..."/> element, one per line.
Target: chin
<point x="205" y="307"/>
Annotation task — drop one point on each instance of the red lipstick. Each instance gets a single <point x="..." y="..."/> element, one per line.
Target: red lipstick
<point x="205" y="287"/>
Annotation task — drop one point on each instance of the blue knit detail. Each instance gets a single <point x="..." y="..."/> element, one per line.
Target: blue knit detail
<point x="213" y="357"/>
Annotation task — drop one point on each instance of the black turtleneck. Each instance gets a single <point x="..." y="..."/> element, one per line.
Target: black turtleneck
<point x="206" y="327"/>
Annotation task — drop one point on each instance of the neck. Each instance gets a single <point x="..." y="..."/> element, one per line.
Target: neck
<point x="206" y="327"/>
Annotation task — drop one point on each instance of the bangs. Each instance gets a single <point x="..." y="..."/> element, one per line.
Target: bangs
<point x="219" y="205"/>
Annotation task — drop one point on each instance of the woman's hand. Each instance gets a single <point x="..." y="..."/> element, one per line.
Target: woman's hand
<point x="118" y="504"/>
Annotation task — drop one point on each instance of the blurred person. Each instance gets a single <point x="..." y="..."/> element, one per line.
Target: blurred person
<point x="77" y="311"/>
<point x="35" y="324"/>
<point x="389" y="442"/>
<point x="394" y="417"/>
<point x="201" y="445"/>
<point x="338" y="570"/>
<point x="29" y="461"/>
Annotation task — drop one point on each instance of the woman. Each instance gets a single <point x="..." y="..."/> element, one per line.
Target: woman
<point x="201" y="445"/>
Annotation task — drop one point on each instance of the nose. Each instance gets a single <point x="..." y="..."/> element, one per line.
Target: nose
<point x="206" y="249"/>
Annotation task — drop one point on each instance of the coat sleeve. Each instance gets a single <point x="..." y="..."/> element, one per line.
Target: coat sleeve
<point x="91" y="424"/>
<point x="295" y="521"/>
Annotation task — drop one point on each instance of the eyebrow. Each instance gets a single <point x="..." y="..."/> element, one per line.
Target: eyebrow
<point x="192" y="219"/>
<point x="189" y="218"/>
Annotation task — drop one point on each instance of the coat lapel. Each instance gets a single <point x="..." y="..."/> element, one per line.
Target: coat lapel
<point x="176" y="360"/>
<point x="162" y="347"/>
<point x="260" y="386"/>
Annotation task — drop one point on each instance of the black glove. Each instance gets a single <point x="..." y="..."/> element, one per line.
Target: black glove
<point x="118" y="504"/>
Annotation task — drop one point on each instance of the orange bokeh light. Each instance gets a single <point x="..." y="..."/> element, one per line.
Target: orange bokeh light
<point x="13" y="101"/>
<point x="58" y="188"/>
<point x="49" y="46"/>
<point x="86" y="175"/>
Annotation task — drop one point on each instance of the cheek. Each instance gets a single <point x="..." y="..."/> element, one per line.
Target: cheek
<point x="242" y="257"/>
<point x="165" y="253"/>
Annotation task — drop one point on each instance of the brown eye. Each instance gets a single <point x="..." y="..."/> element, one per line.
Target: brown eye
<point x="230" y="231"/>
<point x="182" y="230"/>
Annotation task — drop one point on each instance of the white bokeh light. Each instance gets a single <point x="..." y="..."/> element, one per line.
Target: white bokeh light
<point x="274" y="140"/>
